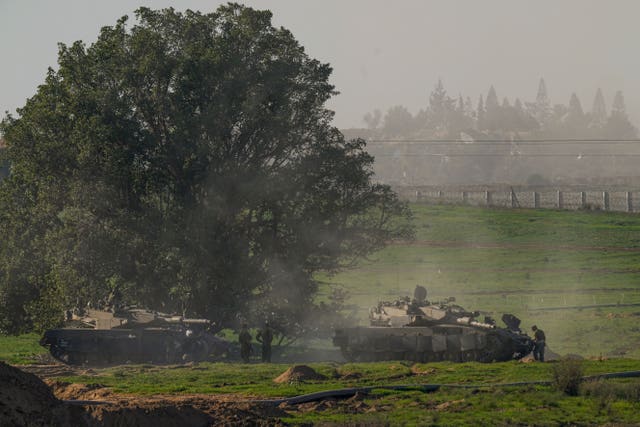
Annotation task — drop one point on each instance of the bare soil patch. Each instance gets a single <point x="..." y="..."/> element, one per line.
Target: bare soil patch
<point x="52" y="370"/>
<point x="299" y="373"/>
<point x="549" y="356"/>
<point x="161" y="411"/>
<point x="69" y="391"/>
<point x="26" y="400"/>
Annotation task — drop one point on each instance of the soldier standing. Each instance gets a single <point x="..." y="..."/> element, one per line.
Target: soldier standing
<point x="420" y="294"/>
<point x="245" y="343"/>
<point x="539" y="343"/>
<point x="265" y="336"/>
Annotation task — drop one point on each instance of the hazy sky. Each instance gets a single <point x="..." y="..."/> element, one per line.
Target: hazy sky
<point x="385" y="52"/>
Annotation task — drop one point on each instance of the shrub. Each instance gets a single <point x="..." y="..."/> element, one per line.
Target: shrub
<point x="567" y="376"/>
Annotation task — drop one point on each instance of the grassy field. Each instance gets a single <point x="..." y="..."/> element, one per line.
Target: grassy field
<point x="547" y="267"/>
<point x="600" y="402"/>
<point x="20" y="350"/>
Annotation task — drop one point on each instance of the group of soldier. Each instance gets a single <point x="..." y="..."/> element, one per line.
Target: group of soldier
<point x="264" y="337"/>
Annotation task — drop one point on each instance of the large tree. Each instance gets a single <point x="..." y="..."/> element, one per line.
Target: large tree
<point x="492" y="119"/>
<point x="618" y="124"/>
<point x="575" y="122"/>
<point x="398" y="122"/>
<point x="440" y="110"/>
<point x="598" y="118"/>
<point x="186" y="162"/>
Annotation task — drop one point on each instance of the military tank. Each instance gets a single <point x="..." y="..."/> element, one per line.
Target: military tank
<point x="422" y="331"/>
<point x="97" y="337"/>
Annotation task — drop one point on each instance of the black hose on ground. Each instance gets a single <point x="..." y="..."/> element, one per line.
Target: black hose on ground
<point x="426" y="388"/>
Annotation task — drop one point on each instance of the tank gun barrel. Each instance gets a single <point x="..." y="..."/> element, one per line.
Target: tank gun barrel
<point x="470" y="321"/>
<point x="196" y="321"/>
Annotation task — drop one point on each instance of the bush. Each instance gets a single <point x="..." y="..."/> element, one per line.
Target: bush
<point x="567" y="376"/>
<point x="603" y="389"/>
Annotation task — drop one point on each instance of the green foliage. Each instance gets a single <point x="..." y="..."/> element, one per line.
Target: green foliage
<point x="48" y="310"/>
<point x="608" y="390"/>
<point x="567" y="376"/>
<point x="20" y="350"/>
<point x="186" y="163"/>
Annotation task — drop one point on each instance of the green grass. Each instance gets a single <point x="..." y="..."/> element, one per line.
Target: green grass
<point x="608" y="401"/>
<point x="529" y="405"/>
<point x="20" y="350"/>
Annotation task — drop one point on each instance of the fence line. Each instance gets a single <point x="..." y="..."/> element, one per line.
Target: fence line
<point x="618" y="201"/>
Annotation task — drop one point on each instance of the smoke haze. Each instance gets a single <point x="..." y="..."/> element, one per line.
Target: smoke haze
<point x="383" y="53"/>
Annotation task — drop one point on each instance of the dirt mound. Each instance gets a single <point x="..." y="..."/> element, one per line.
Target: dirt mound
<point x="527" y="359"/>
<point x="549" y="356"/>
<point x="51" y="370"/>
<point x="455" y="405"/>
<point x="299" y="373"/>
<point x="160" y="416"/>
<point x="26" y="400"/>
<point x="184" y="411"/>
<point x="351" y="376"/>
<point x="68" y="391"/>
<point x="422" y="370"/>
<point x="113" y="409"/>
<point x="318" y="406"/>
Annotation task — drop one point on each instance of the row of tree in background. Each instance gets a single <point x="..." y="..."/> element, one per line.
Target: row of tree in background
<point x="449" y="117"/>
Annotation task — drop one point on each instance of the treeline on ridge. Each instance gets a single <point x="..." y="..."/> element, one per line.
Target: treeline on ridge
<point x="447" y="117"/>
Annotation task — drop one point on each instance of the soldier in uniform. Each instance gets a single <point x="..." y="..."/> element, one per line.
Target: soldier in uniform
<point x="244" y="338"/>
<point x="420" y="294"/>
<point x="539" y="343"/>
<point x="265" y="336"/>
